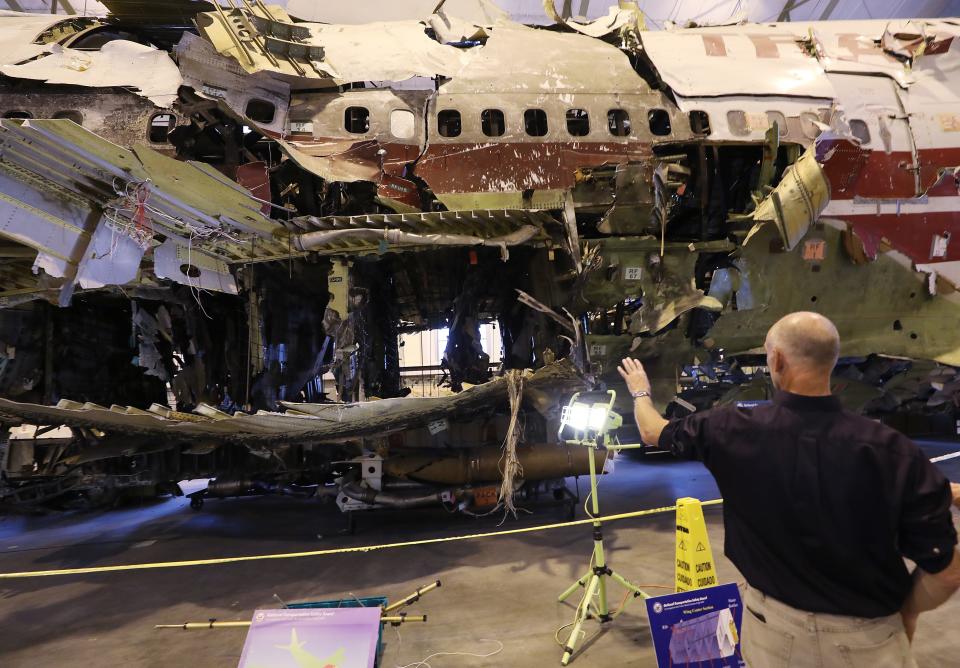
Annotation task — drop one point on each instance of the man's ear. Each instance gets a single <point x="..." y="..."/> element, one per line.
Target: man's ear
<point x="775" y="360"/>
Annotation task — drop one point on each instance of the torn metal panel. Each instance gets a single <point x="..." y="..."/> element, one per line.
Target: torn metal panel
<point x="777" y="64"/>
<point x="311" y="423"/>
<point x="219" y="77"/>
<point x="393" y="51"/>
<point x="118" y="63"/>
<point x="25" y="36"/>
<point x="882" y="305"/>
<point x="453" y="29"/>
<point x="391" y="232"/>
<point x="798" y="200"/>
<point x="560" y="63"/>
<point x="625" y="16"/>
<point x="182" y="264"/>
<point x="633" y="269"/>
<point x="58" y="171"/>
<point x="56" y="227"/>
<point x="119" y="117"/>
<point x="477" y="12"/>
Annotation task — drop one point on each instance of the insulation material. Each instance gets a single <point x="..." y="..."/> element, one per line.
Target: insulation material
<point x="117" y="63"/>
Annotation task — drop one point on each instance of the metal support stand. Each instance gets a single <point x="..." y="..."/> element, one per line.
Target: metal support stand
<point x="595" y="579"/>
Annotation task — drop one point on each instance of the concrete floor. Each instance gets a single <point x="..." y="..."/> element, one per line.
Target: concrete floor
<point x="499" y="589"/>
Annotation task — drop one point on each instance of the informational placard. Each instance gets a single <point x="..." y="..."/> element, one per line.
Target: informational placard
<point x="307" y="637"/>
<point x="697" y="628"/>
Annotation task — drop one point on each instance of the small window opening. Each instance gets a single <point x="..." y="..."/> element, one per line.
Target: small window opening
<point x="699" y="122"/>
<point x="860" y="130"/>
<point x="737" y="120"/>
<point x="810" y="125"/>
<point x="492" y="123"/>
<point x="160" y="127"/>
<point x="448" y="123"/>
<point x="781" y="121"/>
<point x="403" y="123"/>
<point x="260" y="111"/>
<point x="18" y="114"/>
<point x="618" y="122"/>
<point x="70" y="115"/>
<point x="659" y="122"/>
<point x="535" y="122"/>
<point x="356" y="120"/>
<point x="578" y="122"/>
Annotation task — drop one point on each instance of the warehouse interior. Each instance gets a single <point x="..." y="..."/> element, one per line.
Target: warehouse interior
<point x="314" y="311"/>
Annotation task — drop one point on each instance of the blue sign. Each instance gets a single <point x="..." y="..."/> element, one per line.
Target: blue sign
<point x="697" y="628"/>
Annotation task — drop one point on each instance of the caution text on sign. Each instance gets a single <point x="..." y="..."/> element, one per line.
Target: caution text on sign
<point x="695" y="566"/>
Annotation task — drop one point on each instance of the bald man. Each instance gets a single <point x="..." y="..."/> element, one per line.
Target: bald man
<point x="821" y="506"/>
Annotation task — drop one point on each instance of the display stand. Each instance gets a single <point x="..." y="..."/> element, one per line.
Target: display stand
<point x="591" y="424"/>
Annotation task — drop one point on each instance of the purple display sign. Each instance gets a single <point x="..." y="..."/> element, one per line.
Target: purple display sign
<point x="697" y="628"/>
<point x="312" y="638"/>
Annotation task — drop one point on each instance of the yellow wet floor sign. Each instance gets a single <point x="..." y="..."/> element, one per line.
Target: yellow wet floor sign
<point x="695" y="566"/>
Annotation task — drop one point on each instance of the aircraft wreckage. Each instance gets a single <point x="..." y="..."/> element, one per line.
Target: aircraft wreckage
<point x="198" y="222"/>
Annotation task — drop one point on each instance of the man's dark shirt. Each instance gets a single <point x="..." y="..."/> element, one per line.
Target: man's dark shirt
<point x="820" y="503"/>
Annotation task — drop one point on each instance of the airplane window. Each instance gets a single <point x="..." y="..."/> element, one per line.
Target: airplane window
<point x="18" y="114"/>
<point x="356" y="120"/>
<point x="74" y="116"/>
<point x="160" y="126"/>
<point x="781" y="121"/>
<point x="448" y="123"/>
<point x="535" y="122"/>
<point x="737" y="120"/>
<point x="492" y="123"/>
<point x="578" y="122"/>
<point x="659" y="122"/>
<point x="809" y="125"/>
<point x="618" y="121"/>
<point x="403" y="124"/>
<point x="260" y="111"/>
<point x="699" y="122"/>
<point x="860" y="130"/>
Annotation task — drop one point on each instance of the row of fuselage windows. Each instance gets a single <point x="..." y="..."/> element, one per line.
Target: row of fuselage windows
<point x="158" y="127"/>
<point x="356" y="120"/>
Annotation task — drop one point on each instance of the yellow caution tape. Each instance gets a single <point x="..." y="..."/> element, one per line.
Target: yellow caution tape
<point x="341" y="550"/>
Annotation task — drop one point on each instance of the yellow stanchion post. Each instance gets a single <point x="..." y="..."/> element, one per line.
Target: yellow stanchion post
<point x="695" y="565"/>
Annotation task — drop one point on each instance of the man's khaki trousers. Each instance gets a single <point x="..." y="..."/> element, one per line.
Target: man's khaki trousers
<point x="775" y="635"/>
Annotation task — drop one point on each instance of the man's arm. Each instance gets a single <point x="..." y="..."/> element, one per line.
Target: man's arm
<point x="928" y="538"/>
<point x="930" y="591"/>
<point x="649" y="420"/>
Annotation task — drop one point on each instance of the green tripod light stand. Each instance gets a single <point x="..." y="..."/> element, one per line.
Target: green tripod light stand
<point x="591" y="424"/>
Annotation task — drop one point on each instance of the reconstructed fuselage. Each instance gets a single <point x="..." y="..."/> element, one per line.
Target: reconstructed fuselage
<point x="210" y="219"/>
